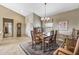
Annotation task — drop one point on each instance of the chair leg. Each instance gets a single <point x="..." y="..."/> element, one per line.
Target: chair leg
<point x="49" y="46"/>
<point x="44" y="47"/>
<point x="35" y="46"/>
<point x="32" y="45"/>
<point x="41" y="46"/>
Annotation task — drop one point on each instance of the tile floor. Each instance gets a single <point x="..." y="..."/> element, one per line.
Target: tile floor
<point x="10" y="46"/>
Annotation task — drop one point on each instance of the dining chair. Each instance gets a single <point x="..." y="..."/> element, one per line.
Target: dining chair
<point x="35" y="40"/>
<point x="49" y="40"/>
<point x="55" y="37"/>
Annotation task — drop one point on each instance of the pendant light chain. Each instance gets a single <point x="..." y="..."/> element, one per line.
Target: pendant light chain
<point x="45" y="18"/>
<point x="45" y="9"/>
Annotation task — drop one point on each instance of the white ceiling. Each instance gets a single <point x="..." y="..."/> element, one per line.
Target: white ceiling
<point x="38" y="8"/>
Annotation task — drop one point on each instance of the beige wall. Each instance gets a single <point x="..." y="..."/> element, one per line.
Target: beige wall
<point x="29" y="24"/>
<point x="71" y="16"/>
<point x="17" y="18"/>
<point x="36" y="20"/>
<point x="32" y="20"/>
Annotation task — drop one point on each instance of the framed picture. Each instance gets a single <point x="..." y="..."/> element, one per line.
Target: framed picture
<point x="63" y="25"/>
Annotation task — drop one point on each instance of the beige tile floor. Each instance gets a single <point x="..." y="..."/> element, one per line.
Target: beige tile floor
<point x="10" y="46"/>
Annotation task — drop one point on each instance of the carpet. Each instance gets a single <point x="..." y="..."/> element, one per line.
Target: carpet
<point x="27" y="48"/>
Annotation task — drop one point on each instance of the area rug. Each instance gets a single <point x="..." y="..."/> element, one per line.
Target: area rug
<point x="27" y="48"/>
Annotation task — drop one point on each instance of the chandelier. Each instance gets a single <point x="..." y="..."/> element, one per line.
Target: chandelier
<point x="45" y="18"/>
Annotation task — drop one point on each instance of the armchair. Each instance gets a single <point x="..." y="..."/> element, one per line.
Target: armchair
<point x="65" y="51"/>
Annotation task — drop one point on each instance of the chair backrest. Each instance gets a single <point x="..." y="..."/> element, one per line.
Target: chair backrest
<point x="73" y="33"/>
<point x="77" y="34"/>
<point x="51" y="35"/>
<point x="55" y="35"/>
<point x="35" y="30"/>
<point x="32" y="35"/>
<point x="52" y="32"/>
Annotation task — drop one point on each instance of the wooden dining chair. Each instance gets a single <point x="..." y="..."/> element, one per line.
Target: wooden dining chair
<point x="77" y="34"/>
<point x="55" y="37"/>
<point x="35" y="40"/>
<point x="49" y="40"/>
<point x="52" y="32"/>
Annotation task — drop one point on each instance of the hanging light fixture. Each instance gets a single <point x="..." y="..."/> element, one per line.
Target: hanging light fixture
<point x="45" y="18"/>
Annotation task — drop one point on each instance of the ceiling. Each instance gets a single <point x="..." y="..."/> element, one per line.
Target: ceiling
<point x="38" y="8"/>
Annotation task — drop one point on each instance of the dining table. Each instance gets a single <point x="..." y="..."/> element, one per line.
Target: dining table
<point x="42" y="37"/>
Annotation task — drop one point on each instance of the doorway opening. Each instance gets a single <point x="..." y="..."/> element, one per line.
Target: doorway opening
<point x="7" y="27"/>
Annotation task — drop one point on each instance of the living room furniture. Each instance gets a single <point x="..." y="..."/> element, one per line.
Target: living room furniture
<point x="70" y="47"/>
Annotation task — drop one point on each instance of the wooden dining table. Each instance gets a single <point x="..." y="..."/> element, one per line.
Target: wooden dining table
<point x="42" y="37"/>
